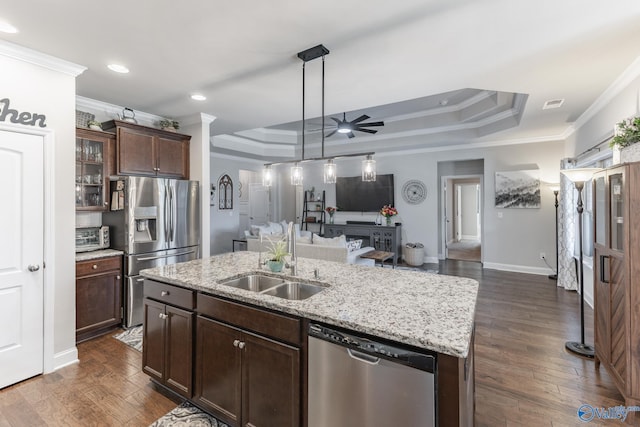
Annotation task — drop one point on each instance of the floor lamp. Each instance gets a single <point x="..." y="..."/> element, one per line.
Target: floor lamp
<point x="579" y="177"/>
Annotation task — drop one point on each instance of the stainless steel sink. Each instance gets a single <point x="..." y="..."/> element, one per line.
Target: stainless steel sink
<point x="294" y="290"/>
<point x="254" y="282"/>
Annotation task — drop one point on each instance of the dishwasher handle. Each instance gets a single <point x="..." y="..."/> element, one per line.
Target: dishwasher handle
<point x="363" y="357"/>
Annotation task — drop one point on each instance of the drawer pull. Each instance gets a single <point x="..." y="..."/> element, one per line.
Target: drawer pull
<point x="241" y="345"/>
<point x="94" y="266"/>
<point x="236" y="343"/>
<point x="118" y="277"/>
<point x="164" y="293"/>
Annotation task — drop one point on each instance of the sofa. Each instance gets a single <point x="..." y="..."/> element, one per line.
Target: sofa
<point x="324" y="249"/>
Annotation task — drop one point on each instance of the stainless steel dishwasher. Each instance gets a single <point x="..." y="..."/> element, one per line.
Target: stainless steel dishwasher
<point x="355" y="381"/>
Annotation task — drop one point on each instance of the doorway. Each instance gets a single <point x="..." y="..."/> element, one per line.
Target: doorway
<point x="462" y="213"/>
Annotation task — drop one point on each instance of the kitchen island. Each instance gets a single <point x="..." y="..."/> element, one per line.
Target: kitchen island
<point x="428" y="312"/>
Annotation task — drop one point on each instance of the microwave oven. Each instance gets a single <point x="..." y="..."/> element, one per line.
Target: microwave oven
<point x="92" y="238"/>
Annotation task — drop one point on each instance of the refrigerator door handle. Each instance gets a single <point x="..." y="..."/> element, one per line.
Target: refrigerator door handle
<point x="173" y="209"/>
<point x="149" y="258"/>
<point x="166" y="219"/>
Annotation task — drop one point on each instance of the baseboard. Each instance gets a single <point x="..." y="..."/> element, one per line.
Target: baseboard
<point x="65" y="358"/>
<point x="431" y="260"/>
<point x="517" y="268"/>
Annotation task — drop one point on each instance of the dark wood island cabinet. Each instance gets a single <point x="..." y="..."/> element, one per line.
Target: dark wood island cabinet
<point x="248" y="353"/>
<point x="167" y="354"/>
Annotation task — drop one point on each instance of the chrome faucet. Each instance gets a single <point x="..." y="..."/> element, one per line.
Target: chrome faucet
<point x="291" y="247"/>
<point x="260" y="253"/>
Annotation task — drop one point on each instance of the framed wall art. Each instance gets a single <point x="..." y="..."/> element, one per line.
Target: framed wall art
<point x="518" y="189"/>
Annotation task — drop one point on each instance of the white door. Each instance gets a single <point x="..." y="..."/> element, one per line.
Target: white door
<point x="21" y="257"/>
<point x="258" y="204"/>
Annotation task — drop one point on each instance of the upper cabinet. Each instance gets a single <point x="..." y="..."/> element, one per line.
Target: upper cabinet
<point x="145" y="151"/>
<point x="94" y="150"/>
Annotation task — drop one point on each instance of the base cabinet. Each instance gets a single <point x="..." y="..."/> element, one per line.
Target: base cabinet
<point x="168" y="343"/>
<point x="246" y="379"/>
<point x="98" y="296"/>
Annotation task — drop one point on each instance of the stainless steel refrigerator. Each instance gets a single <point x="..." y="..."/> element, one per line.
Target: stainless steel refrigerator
<point x="155" y="221"/>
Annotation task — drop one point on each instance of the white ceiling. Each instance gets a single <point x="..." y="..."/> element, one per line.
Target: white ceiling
<point x="242" y="56"/>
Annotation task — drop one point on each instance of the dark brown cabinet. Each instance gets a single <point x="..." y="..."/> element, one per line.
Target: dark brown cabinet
<point x="244" y="378"/>
<point x="616" y="292"/>
<point x="98" y="296"/>
<point x="145" y="151"/>
<point x="168" y="336"/>
<point x="94" y="164"/>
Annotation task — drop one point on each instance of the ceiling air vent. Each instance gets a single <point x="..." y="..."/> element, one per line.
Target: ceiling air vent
<point x="553" y="103"/>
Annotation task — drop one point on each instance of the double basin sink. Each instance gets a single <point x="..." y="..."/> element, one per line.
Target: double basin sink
<point x="274" y="286"/>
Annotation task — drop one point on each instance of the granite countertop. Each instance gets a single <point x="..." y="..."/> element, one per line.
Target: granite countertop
<point x="102" y="253"/>
<point x="425" y="310"/>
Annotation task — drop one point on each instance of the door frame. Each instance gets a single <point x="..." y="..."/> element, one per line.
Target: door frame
<point x="49" y="237"/>
<point x="443" y="205"/>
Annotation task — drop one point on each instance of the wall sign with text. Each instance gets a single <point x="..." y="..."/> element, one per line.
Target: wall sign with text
<point x="23" y="118"/>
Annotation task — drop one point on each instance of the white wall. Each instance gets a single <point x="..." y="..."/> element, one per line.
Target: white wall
<point x="468" y="211"/>
<point x="40" y="89"/>
<point x="225" y="224"/>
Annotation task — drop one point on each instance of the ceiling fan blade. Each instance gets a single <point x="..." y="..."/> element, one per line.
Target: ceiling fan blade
<point x="330" y="133"/>
<point x="350" y="135"/>
<point x="359" y="119"/>
<point x="336" y="120"/>
<point x="366" y="130"/>
<point x="370" y="124"/>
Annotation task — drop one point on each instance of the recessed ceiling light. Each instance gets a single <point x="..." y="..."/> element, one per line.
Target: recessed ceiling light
<point x="553" y="103"/>
<point x="5" y="27"/>
<point x="198" y="97"/>
<point x="118" y="68"/>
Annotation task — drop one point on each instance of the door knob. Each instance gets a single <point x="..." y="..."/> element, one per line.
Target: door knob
<point x="33" y="267"/>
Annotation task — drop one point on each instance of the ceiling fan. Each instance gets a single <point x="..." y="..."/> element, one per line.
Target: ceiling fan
<point x="347" y="127"/>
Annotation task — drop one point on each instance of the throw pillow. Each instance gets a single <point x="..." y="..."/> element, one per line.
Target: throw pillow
<point x="354" y="245"/>
<point x="339" y="241"/>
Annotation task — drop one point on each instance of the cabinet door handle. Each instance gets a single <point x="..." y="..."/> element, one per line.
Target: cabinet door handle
<point x="162" y="316"/>
<point x="604" y="278"/>
<point x="236" y="343"/>
<point x="164" y="293"/>
<point x="241" y="345"/>
<point x="118" y="277"/>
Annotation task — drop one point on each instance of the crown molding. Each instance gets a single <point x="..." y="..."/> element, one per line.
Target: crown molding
<point x="197" y="119"/>
<point x="270" y="135"/>
<point x="114" y="111"/>
<point x="31" y="56"/>
<point x="214" y="155"/>
<point x="236" y="143"/>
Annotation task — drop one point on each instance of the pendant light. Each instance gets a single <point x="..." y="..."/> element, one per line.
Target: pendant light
<point x="267" y="176"/>
<point x="330" y="172"/>
<point x="369" y="169"/>
<point x="296" y="174"/>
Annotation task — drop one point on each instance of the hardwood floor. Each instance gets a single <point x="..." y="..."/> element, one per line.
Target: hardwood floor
<point x="524" y="376"/>
<point x="465" y="250"/>
<point x="107" y="388"/>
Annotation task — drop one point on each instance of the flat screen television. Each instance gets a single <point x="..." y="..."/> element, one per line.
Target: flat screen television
<point x="354" y="195"/>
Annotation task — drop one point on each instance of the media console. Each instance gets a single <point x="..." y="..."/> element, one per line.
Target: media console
<point x="381" y="237"/>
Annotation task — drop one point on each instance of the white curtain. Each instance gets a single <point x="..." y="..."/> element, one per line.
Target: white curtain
<point x="567" y="218"/>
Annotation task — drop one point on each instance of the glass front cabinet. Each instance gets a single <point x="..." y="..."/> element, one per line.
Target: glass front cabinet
<point x="93" y="150"/>
<point x="616" y="204"/>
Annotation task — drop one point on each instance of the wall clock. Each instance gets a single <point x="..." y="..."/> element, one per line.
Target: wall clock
<point x="414" y="191"/>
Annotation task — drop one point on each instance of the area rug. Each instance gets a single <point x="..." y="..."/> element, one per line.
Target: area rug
<point x="131" y="337"/>
<point x="421" y="270"/>
<point x="187" y="415"/>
